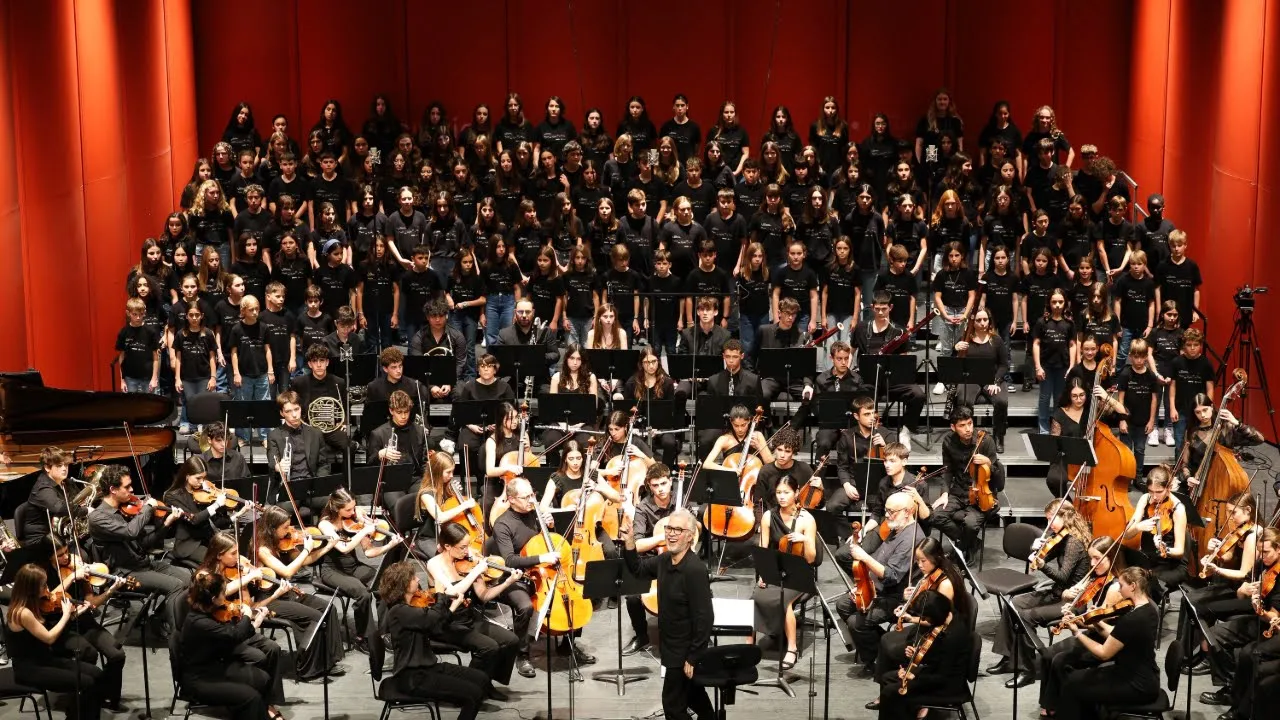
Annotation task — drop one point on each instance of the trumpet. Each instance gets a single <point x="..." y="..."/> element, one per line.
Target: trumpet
<point x="287" y="458"/>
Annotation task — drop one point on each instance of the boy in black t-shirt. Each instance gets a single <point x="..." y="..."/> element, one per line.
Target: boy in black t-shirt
<point x="333" y="188"/>
<point x="418" y="285"/>
<point x="622" y="286"/>
<point x="1138" y="394"/>
<point x="707" y="279"/>
<point x="749" y="193"/>
<point x="238" y="185"/>
<point x="292" y="184"/>
<point x="663" y="319"/>
<point x="313" y="325"/>
<point x="1192" y="373"/>
<point x="1178" y="279"/>
<point x="279" y="323"/>
<point x="138" y="352"/>
<point x="901" y="287"/>
<point x="252" y="371"/>
<point x="1135" y="303"/>
<point x="728" y="228"/>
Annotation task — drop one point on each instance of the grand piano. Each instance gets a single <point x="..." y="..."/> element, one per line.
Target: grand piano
<point x="93" y="426"/>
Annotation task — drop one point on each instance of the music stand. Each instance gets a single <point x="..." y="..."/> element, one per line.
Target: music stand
<point x="477" y="412"/>
<point x="716" y="487"/>
<point x="829" y="527"/>
<point x="315" y="634"/>
<point x="376" y="414"/>
<point x="786" y="572"/>
<point x="792" y="362"/>
<point x="1019" y="627"/>
<point x="611" y="579"/>
<point x="711" y="412"/>
<point x="1062" y="449"/>
<point x="884" y="372"/>
<point x="957" y="372"/>
<point x="520" y="362"/>
<point x="613" y="364"/>
<point x="1192" y="612"/>
<point x="538" y="478"/>
<point x="685" y="367"/>
<point x="568" y="408"/>
<point x="432" y="369"/>
<point x="834" y="410"/>
<point x="357" y="370"/>
<point x="249" y="414"/>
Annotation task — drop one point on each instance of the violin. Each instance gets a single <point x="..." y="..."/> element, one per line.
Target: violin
<point x="1265" y="585"/>
<point x="980" y="493"/>
<point x="234" y="611"/>
<point x="495" y="567"/>
<point x="98" y="575"/>
<point x="786" y="545"/>
<point x="1091" y="590"/>
<point x="1163" y="513"/>
<point x="810" y="496"/>
<point x="918" y="656"/>
<point x="297" y="538"/>
<point x="382" y="529"/>
<point x="52" y="602"/>
<point x="929" y="582"/>
<point x="423" y="599"/>
<point x="208" y="493"/>
<point x="134" y="505"/>
<point x="1097" y="615"/>
<point x="1234" y="538"/>
<point x="1041" y="555"/>
<point x="268" y="579"/>
<point x="865" y="588"/>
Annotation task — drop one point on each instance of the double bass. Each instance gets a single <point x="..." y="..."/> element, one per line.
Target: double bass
<point x="1219" y="475"/>
<point x="1102" y="491"/>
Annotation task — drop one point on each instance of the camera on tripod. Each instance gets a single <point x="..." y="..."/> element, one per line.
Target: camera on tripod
<point x="1244" y="297"/>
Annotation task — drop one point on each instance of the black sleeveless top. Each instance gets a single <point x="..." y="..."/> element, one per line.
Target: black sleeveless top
<point x="778" y="528"/>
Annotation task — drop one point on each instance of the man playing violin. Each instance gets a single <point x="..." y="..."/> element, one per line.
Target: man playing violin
<point x="960" y="519"/>
<point x="854" y="446"/>
<point x="1232" y="640"/>
<point x="1160" y="520"/>
<point x="455" y="572"/>
<point x="889" y="566"/>
<point x="650" y="540"/>
<point x="125" y="540"/>
<point x="517" y="526"/>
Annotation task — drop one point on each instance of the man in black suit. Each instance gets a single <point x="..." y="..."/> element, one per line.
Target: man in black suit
<point x="784" y="333"/>
<point x="733" y="381"/>
<point x="322" y="397"/>
<point x="303" y="442"/>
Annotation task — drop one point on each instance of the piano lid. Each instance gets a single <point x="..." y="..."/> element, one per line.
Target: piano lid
<point x="26" y="405"/>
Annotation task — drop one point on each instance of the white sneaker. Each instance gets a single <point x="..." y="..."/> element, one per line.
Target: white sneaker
<point x="904" y="437"/>
<point x="1168" y="436"/>
<point x="185" y="429"/>
<point x="939" y="389"/>
<point x="1013" y="387"/>
<point x="1153" y="438"/>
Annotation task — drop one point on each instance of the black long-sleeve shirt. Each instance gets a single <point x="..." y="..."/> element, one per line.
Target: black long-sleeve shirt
<point x="956" y="455"/>
<point x="237" y="468"/>
<point x="853" y="443"/>
<point x="684" y="604"/>
<point x="411" y="629"/>
<point x="209" y="646"/>
<point x="124" y="541"/>
<point x="197" y="525"/>
<point x="1067" y="565"/>
<point x="512" y="532"/>
<point x="46" y="500"/>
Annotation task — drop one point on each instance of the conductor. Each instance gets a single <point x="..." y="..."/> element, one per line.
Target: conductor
<point x="684" y="613"/>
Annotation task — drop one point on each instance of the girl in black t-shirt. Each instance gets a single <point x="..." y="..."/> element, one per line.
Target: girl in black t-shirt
<point x="954" y="292"/>
<point x="772" y="227"/>
<point x="1031" y="243"/>
<point x="732" y="139"/>
<point x="904" y="183"/>
<point x="942" y="117"/>
<point x="771" y="168"/>
<point x="588" y="193"/>
<point x="830" y="134"/>
<point x="949" y="224"/>
<point x="467" y="300"/>
<point x="1081" y="288"/>
<point x="210" y="219"/>
<point x="327" y="228"/>
<point x="378" y="294"/>
<point x="879" y="152"/>
<point x="1036" y="288"/>
<point x="907" y="229"/>
<point x="864" y="228"/>
<point x="1137" y="400"/>
<point x="548" y="182"/>
<point x="252" y="266"/>
<point x="1000" y="129"/>
<point x="202" y="171"/>
<point x="817" y="229"/>
<point x="753" y="296"/>
<point x="513" y="128"/>
<point x="1052" y="353"/>
<point x="581" y="291"/>
<point x="1098" y="319"/>
<point x="546" y="290"/>
<point x="152" y="263"/>
<point x="796" y="192"/>
<point x="293" y="270"/>
<point x="1002" y="226"/>
<point x="1073" y="235"/>
<point x="841" y="292"/>
<point x="636" y="123"/>
<point x="176" y="233"/>
<point x="596" y="143"/>
<point x="1165" y="341"/>
<point x="1000" y="298"/>
<point x="526" y="237"/>
<point x="783" y="135"/>
<point x="464" y="191"/>
<point x="213" y="277"/>
<point x="183" y="265"/>
<point x="488" y="224"/>
<point x="195" y="355"/>
<point x="481" y="125"/>
<point x="508" y="187"/>
<point x="503" y="286"/>
<point x="563" y="228"/>
<point x="333" y="130"/>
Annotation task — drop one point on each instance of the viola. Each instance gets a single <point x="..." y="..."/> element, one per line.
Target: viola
<point x="495" y="567"/>
<point x="1039" y="557"/>
<point x="382" y="529"/>
<point x="1097" y="615"/>
<point x="134" y="505"/>
<point x="1163" y="513"/>
<point x="918" y="657"/>
<point x="296" y="538"/>
<point x="1091" y="590"/>
<point x="787" y="546"/>
<point x="980" y="493"/>
<point x="810" y="496"/>
<point x="234" y="611"/>
<point x="422" y="599"/>
<point x="99" y="575"/>
<point x="208" y="493"/>
<point x="864" y="585"/>
<point x="522" y="456"/>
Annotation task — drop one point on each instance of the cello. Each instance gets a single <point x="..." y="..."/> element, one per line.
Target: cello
<point x="561" y="607"/>
<point x="522" y="455"/>
<point x="1219" y="475"/>
<point x="736" y="522"/>
<point x="1102" y="491"/>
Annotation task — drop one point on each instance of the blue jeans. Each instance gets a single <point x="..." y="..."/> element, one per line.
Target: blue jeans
<point x="948" y="334"/>
<point x="190" y="389"/>
<point x="867" y="279"/>
<point x="444" y="268"/>
<point x="1136" y="439"/>
<point x="138" y="386"/>
<point x="499" y="312"/>
<point x="579" y="328"/>
<point x="749" y="325"/>
<point x="663" y="337"/>
<point x="252" y="388"/>
<point x="1050" y="390"/>
<point x="223" y="379"/>
<point x="1180" y="430"/>
<point x="470" y="328"/>
<point x="1122" y="352"/>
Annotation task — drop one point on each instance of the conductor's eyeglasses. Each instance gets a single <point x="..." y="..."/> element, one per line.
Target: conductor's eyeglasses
<point x="676" y="530"/>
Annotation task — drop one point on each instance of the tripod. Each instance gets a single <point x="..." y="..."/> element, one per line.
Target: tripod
<point x="1244" y="337"/>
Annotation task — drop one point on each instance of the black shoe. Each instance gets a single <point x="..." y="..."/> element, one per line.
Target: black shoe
<point x="1229" y="715"/>
<point x="1000" y="445"/>
<point x="1200" y="668"/>
<point x="866" y="671"/>
<point x="582" y="657"/>
<point x="498" y="695"/>
<point x="1026" y="387"/>
<point x="873" y="705"/>
<point x="636" y="645"/>
<point x="362" y="645"/>
<point x="116" y="707"/>
<point x="613" y="603"/>
<point x="338" y="670"/>
<point x="1004" y="667"/>
<point x="1020" y="680"/>
<point x="524" y="667"/>
<point x="1221" y="696"/>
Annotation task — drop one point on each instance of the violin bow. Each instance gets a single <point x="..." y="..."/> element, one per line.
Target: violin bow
<point x="142" y="480"/>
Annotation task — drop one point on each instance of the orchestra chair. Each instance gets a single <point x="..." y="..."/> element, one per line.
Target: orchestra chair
<point x="177" y="613"/>
<point x="20" y="518"/>
<point x="1156" y="709"/>
<point x="1018" y="539"/>
<point x="391" y="697"/>
<point x="726" y="667"/>
<point x="955" y="703"/>
<point x="122" y="600"/>
<point x="402" y="516"/>
<point x="10" y="689"/>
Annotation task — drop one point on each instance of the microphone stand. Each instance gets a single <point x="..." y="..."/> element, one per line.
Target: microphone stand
<point x="345" y="354"/>
<point x="68" y="627"/>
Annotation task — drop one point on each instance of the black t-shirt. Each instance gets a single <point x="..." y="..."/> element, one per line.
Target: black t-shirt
<point x="416" y="288"/>
<point x="954" y="286"/>
<point x="1002" y="231"/>
<point x="299" y="189"/>
<point x="407" y="232"/>
<point x="553" y="136"/>
<point x="687" y="136"/>
<point x="1138" y="387"/>
<point x="279" y="327"/>
<point x="1165" y="345"/>
<point x="1178" y="282"/>
<point x="1037" y="289"/>
<point x="1136" y="296"/>
<point x="716" y="283"/>
<point x="1060" y="145"/>
<point x="213" y="227"/>
<point x="312" y="330"/>
<point x="664" y="310"/>
<point x="377" y="283"/>
<point x="728" y="236"/>
<point x="840" y="283"/>
<point x="225" y="316"/>
<point x="586" y="200"/>
<point x="255" y="225"/>
<point x="933" y="138"/>
<point x="732" y="142"/>
<point x="1102" y="330"/>
<point x="1154" y="237"/>
<point x="682" y="242"/>
<point x="1078" y="296"/>
<point x="500" y="278"/>
<point x="910" y="234"/>
<point x="250" y="344"/>
<point x="620" y="288"/>
<point x="818" y="238"/>
<point x="703" y="198"/>
<point x="866" y="237"/>
<point x="193" y="350"/>
<point x="579" y="295"/>
<point x="295" y="275"/>
<point x="364" y="230"/>
<point x="1135" y="663"/>
<point x="998" y="291"/>
<point x="543" y="292"/>
<point x="1055" y="343"/>
<point x="1191" y="376"/>
<point x="901" y="288"/>
<point x="466" y="289"/>
<point x="255" y="276"/>
<point x="767" y="230"/>
<point x="337" y="191"/>
<point x="796" y="284"/>
<point x="509" y="135"/>
<point x="138" y="345"/>
<point x="335" y="284"/>
<point x="1115" y="239"/>
<point x="753" y="296"/>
